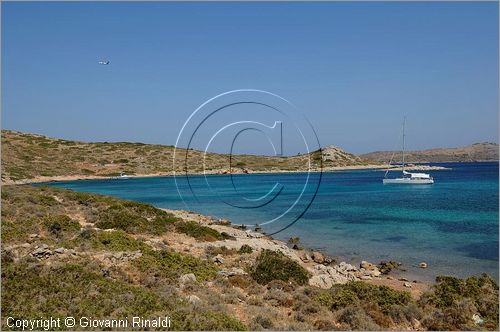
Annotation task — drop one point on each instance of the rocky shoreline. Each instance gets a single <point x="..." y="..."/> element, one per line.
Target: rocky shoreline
<point x="63" y="178"/>
<point x="325" y="271"/>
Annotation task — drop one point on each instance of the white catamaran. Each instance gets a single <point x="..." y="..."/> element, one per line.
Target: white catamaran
<point x="407" y="177"/>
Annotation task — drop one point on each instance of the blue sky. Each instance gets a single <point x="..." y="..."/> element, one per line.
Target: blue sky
<point x="353" y="69"/>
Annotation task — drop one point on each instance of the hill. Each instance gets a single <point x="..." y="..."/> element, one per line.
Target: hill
<point x="27" y="157"/>
<point x="473" y="152"/>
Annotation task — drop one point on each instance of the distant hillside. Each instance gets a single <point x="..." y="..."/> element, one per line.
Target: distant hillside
<point x="474" y="152"/>
<point x="29" y="156"/>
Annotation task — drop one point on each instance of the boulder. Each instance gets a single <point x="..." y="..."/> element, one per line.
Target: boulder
<point x="304" y="256"/>
<point x="218" y="259"/>
<point x="386" y="266"/>
<point x="322" y="281"/>
<point x="367" y="266"/>
<point x="422" y="265"/>
<point x="345" y="267"/>
<point x="41" y="251"/>
<point x="326" y="276"/>
<point x="185" y="278"/>
<point x="232" y="272"/>
<point x="477" y="319"/>
<point x="318" y="257"/>
<point x="329" y="260"/>
<point x="60" y="250"/>
<point x="407" y="284"/>
<point x="193" y="299"/>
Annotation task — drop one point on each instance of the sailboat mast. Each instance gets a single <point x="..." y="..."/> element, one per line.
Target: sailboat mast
<point x="404" y="123"/>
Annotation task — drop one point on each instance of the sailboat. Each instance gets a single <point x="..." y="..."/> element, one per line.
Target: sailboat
<point x="407" y="177"/>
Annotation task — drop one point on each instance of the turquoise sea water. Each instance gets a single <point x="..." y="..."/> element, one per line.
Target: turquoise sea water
<point x="452" y="225"/>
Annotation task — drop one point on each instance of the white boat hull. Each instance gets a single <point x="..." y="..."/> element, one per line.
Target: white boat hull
<point x="408" y="181"/>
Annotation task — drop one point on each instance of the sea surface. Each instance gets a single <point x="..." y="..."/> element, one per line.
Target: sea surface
<point x="451" y="225"/>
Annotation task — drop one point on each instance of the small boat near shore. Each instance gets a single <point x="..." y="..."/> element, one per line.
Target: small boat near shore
<point x="407" y="177"/>
<point x="122" y="176"/>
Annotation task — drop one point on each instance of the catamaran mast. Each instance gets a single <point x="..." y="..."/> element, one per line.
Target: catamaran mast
<point x="404" y="123"/>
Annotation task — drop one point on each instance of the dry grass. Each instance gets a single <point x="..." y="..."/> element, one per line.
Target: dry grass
<point x="275" y="294"/>
<point x="28" y="156"/>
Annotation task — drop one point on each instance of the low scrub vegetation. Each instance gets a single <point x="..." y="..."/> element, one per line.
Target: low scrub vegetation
<point x="32" y="290"/>
<point x="27" y="156"/>
<point x="456" y="300"/>
<point x="122" y="257"/>
<point x="199" y="232"/>
<point x="134" y="217"/>
<point x="171" y="265"/>
<point x="273" y="265"/>
<point x="99" y="240"/>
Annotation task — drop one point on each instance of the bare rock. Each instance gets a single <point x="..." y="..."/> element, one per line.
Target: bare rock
<point x="326" y="276"/>
<point x="60" y="250"/>
<point x="345" y="267"/>
<point x="322" y="281"/>
<point x="422" y="265"/>
<point x="477" y="319"/>
<point x="41" y="251"/>
<point x="387" y="266"/>
<point x="185" y="278"/>
<point x="407" y="285"/>
<point x="416" y="324"/>
<point x="218" y="259"/>
<point x="193" y="299"/>
<point x="232" y="272"/>
<point x="318" y="257"/>
<point x="304" y="256"/>
<point x="367" y="266"/>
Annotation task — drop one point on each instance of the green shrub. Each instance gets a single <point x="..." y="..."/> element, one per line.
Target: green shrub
<point x="448" y="292"/>
<point x="245" y="249"/>
<point x="70" y="289"/>
<point x="458" y="316"/>
<point x="35" y="291"/>
<point x="359" y="293"/>
<point x="198" y="231"/>
<point x="105" y="240"/>
<point x="356" y="319"/>
<point x="383" y="296"/>
<point x="263" y="321"/>
<point x="198" y="320"/>
<point x="214" y="251"/>
<point x="61" y="225"/>
<point x="135" y="218"/>
<point x="273" y="265"/>
<point x="15" y="232"/>
<point x="172" y="265"/>
<point x="42" y="199"/>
